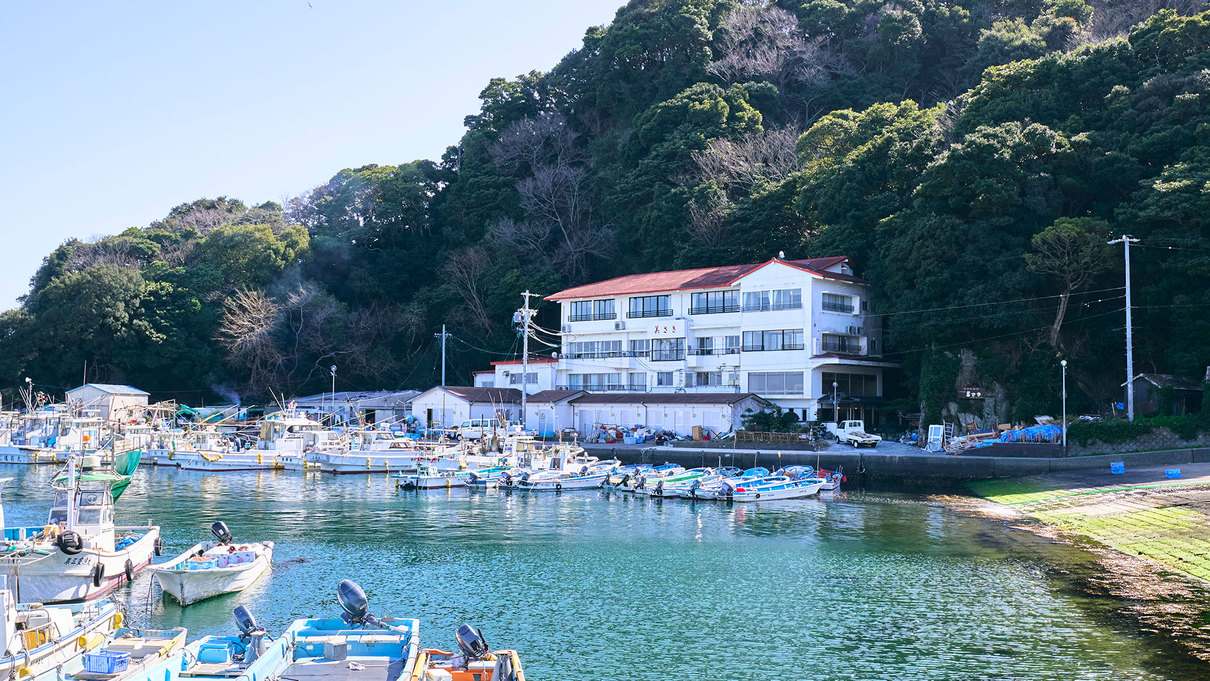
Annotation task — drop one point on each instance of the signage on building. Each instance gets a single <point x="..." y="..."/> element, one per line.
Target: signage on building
<point x="664" y="330"/>
<point x="971" y="393"/>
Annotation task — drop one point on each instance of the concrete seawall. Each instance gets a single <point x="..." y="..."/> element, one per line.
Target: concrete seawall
<point x="889" y="461"/>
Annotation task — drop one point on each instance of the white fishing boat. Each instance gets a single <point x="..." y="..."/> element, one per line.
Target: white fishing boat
<point x="213" y="568"/>
<point x="79" y="554"/>
<point x="283" y="435"/>
<point x="41" y="639"/>
<point x="722" y="489"/>
<point x="775" y="488"/>
<point x="373" y="451"/>
<point x="427" y="478"/>
<point x="561" y="482"/>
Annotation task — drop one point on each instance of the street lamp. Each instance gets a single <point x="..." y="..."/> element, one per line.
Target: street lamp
<point x="333" y="405"/>
<point x="835" y="404"/>
<point x="1064" y="365"/>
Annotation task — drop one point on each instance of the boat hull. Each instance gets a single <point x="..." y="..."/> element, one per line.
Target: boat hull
<point x="190" y="586"/>
<point x="222" y="462"/>
<point x="797" y="491"/>
<point x="58" y="577"/>
<point x="47" y="658"/>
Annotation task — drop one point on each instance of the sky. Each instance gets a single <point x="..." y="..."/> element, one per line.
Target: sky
<point x="114" y="112"/>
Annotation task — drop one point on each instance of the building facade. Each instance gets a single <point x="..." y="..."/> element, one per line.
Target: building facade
<point x="540" y="375"/>
<point x="786" y="330"/>
<point x="448" y="406"/>
<point x="110" y="402"/>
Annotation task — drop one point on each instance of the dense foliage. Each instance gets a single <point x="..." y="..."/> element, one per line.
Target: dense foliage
<point x="972" y="157"/>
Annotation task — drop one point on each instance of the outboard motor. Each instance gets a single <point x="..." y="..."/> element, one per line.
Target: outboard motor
<point x="693" y="488"/>
<point x="250" y="632"/>
<point x="354" y="603"/>
<point x="583" y="470"/>
<point x="220" y="532"/>
<point x="470" y="640"/>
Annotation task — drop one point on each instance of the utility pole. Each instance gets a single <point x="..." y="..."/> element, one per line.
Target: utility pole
<point x="1126" y="240"/>
<point x="525" y="314"/>
<point x="443" y="335"/>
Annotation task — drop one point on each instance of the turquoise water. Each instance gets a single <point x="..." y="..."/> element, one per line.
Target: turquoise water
<point x="596" y="586"/>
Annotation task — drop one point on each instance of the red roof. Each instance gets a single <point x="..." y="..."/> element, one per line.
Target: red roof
<point x="706" y="277"/>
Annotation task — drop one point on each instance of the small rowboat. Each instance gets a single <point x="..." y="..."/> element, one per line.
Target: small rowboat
<point x="428" y="478"/>
<point x="776" y="487"/>
<point x="213" y="568"/>
<point x="132" y="655"/>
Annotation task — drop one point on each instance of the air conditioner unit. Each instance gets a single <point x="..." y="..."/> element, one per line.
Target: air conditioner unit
<point x="566" y="328"/>
<point x="619" y="326"/>
<point x="854" y="330"/>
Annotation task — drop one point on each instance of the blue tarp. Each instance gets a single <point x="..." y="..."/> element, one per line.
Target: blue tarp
<point x="1033" y="434"/>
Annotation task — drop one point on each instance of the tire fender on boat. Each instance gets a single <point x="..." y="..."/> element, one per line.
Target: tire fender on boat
<point x="98" y="574"/>
<point x="158" y="547"/>
<point x="70" y="543"/>
<point x="129" y="570"/>
<point x="558" y="487"/>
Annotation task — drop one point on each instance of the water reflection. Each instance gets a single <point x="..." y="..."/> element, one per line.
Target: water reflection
<point x="612" y="586"/>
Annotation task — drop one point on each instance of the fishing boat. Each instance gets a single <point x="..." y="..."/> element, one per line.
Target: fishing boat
<point x="671" y="487"/>
<point x="372" y="451"/>
<point x="426" y="478"/>
<point x="357" y="646"/>
<point x="40" y="639"/>
<point x="249" y="656"/>
<point x="484" y="478"/>
<point x="475" y="661"/>
<point x="282" y="434"/>
<point x="551" y="481"/>
<point x="213" y="568"/>
<point x="776" y="487"/>
<point x="721" y="489"/>
<point x="131" y="655"/>
<point x="79" y="554"/>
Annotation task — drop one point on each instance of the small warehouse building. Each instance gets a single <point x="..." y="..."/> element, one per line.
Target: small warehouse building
<point x="447" y="406"/>
<point x="1167" y="395"/>
<point x="674" y="412"/>
<point x="109" y="401"/>
<point x="550" y="411"/>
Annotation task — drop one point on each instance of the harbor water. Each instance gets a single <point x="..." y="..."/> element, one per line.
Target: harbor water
<point x="609" y="586"/>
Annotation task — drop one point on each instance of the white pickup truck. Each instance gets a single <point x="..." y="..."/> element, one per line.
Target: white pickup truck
<point x="853" y="432"/>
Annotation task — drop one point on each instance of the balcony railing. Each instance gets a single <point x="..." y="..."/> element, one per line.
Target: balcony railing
<point x="667" y="355"/>
<point x="593" y="317"/>
<point x="785" y="346"/>
<point x="606" y="355"/>
<point x="714" y="309"/>
<point x="707" y="352"/>
<point x="644" y="314"/>
<point x="842" y="345"/>
<point x="599" y="388"/>
<point x="838" y="307"/>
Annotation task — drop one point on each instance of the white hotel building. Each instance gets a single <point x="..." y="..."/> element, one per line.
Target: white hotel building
<point x="784" y="329"/>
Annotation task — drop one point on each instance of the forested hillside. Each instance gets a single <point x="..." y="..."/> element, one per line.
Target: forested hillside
<point x="972" y="159"/>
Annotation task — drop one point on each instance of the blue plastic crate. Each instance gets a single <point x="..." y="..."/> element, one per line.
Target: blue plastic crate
<point x="1173" y="473"/>
<point x="1117" y="467"/>
<point x="105" y="662"/>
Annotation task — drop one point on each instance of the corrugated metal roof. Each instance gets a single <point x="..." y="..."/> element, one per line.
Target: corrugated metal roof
<point x="666" y="398"/>
<point x="1174" y="382"/>
<point x="706" y="277"/>
<point x="483" y="395"/>
<point x="112" y="389"/>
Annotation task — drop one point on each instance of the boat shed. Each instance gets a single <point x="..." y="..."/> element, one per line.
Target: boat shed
<point x="675" y="412"/>
<point x="109" y="401"/>
<point x="446" y="406"/>
<point x="351" y="406"/>
<point x="549" y="411"/>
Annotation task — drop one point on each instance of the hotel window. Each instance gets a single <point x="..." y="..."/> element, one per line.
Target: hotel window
<point x="637" y="382"/>
<point x="640" y="347"/>
<point x="834" y="302"/>
<point x="709" y="378"/>
<point x="714" y="302"/>
<point x="667" y="349"/>
<point x="775" y="382"/>
<point x="592" y="310"/>
<point x="732" y="344"/>
<point x="515" y="379"/>
<point x="777" y="299"/>
<point x="765" y="341"/>
<point x="650" y="306"/>
<point x="595" y="382"/>
<point x="705" y="346"/>
<point x="663" y="378"/>
<point x="594" y="349"/>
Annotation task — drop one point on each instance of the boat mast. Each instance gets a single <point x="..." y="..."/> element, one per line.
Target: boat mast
<point x="71" y="492"/>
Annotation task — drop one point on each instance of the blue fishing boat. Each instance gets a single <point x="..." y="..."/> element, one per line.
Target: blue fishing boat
<point x="250" y="656"/>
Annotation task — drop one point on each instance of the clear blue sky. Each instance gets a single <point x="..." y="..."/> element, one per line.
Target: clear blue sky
<point x="114" y="112"/>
